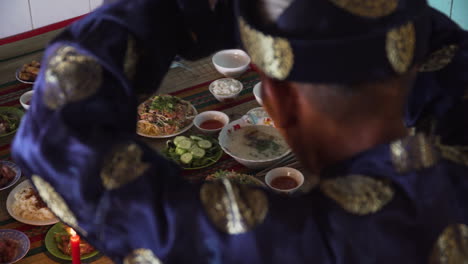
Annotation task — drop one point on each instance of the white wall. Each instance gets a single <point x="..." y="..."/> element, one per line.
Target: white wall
<point x="18" y="16"/>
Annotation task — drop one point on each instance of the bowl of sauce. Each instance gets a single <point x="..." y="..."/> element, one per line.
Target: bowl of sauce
<point x="284" y="179"/>
<point x="25" y="99"/>
<point x="211" y="122"/>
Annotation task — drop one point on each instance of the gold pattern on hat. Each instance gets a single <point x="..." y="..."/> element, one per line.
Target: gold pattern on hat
<point x="454" y="153"/>
<point x="273" y="55"/>
<point x="233" y="208"/>
<point x="55" y="203"/>
<point x="70" y="76"/>
<point x="368" y="8"/>
<point x="439" y="59"/>
<point x="141" y="256"/>
<point x="400" y="46"/>
<point x="358" y="194"/>
<point x="131" y="58"/>
<point x="451" y="246"/>
<point x="123" y="165"/>
<point x="413" y="153"/>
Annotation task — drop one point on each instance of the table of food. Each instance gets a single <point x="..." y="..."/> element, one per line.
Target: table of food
<point x="206" y="116"/>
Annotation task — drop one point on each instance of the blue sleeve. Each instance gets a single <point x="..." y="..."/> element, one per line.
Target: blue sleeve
<point x="77" y="144"/>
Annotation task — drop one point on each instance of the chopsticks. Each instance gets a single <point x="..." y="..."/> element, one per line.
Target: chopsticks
<point x="288" y="161"/>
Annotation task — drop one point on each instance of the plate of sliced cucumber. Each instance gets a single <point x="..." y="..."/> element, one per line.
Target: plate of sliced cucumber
<point x="193" y="152"/>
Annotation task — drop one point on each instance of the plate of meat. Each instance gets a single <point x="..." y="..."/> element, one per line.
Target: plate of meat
<point x="9" y="174"/>
<point x="28" y="72"/>
<point x="13" y="245"/>
<point x="57" y="242"/>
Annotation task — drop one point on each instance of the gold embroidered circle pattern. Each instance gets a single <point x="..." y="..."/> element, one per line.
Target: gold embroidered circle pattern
<point x="273" y="55"/>
<point x="400" y="45"/>
<point x="439" y="59"/>
<point x="123" y="165"/>
<point x="232" y="208"/>
<point x="451" y="246"/>
<point x="358" y="194"/>
<point x="70" y="77"/>
<point x="368" y="8"/>
<point x="141" y="256"/>
<point x="54" y="201"/>
<point x="413" y="153"/>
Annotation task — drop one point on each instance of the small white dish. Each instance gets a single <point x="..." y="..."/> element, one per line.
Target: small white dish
<point x="257" y="93"/>
<point x="210" y="115"/>
<point x="25" y="99"/>
<point x="235" y="87"/>
<point x="284" y="171"/>
<point x="231" y="62"/>
<point x="11" y="200"/>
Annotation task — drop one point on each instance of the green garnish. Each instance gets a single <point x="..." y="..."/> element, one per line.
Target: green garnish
<point x="164" y="103"/>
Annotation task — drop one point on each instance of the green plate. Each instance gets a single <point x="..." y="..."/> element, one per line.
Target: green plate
<point x="215" y="158"/>
<point x="52" y="246"/>
<point x="12" y="110"/>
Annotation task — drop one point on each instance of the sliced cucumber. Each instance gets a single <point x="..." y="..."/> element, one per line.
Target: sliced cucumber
<point x="186" y="158"/>
<point x="179" y="138"/>
<point x="204" y="144"/>
<point x="197" y="152"/>
<point x="180" y="151"/>
<point x="184" y="144"/>
<point x="196" y="138"/>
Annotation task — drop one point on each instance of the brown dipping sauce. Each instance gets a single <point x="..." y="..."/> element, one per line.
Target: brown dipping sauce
<point x="284" y="183"/>
<point x="212" y="124"/>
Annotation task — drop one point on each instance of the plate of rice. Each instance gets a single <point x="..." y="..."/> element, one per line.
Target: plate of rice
<point x="25" y="205"/>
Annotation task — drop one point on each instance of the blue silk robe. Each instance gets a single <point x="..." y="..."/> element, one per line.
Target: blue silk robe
<point x="401" y="202"/>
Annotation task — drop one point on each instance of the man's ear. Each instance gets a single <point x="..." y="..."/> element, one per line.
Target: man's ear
<point x="280" y="101"/>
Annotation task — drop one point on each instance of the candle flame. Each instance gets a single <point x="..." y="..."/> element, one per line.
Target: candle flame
<point x="72" y="232"/>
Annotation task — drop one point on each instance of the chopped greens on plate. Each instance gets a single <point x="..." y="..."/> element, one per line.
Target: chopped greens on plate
<point x="193" y="152"/>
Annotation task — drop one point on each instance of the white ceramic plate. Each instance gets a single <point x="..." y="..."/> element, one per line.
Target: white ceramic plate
<point x="18" y="78"/>
<point x="20" y="238"/>
<point x="9" y="205"/>
<point x="195" y="112"/>
<point x="16" y="169"/>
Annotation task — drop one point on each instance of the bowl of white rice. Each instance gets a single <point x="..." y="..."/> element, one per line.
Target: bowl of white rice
<point x="24" y="205"/>
<point x="226" y="89"/>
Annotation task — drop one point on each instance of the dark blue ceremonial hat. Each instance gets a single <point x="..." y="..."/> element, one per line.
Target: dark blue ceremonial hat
<point x="335" y="40"/>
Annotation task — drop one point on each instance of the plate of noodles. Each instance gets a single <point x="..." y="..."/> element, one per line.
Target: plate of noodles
<point x="164" y="116"/>
<point x="25" y="205"/>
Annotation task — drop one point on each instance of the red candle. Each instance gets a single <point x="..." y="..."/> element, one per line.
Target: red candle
<point x="75" y="247"/>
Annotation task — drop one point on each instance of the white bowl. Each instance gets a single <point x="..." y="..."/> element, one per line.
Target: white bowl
<point x="25" y="98"/>
<point x="252" y="164"/>
<point x="257" y="93"/>
<point x="211" y="115"/>
<point x="284" y="171"/>
<point x="231" y="62"/>
<point x="227" y="96"/>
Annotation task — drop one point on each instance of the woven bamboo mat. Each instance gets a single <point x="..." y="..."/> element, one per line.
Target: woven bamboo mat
<point x="191" y="85"/>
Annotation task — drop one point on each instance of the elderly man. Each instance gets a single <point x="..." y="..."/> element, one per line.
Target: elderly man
<point x="342" y="79"/>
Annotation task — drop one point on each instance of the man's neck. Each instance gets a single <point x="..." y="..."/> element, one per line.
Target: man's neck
<point x="352" y="140"/>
